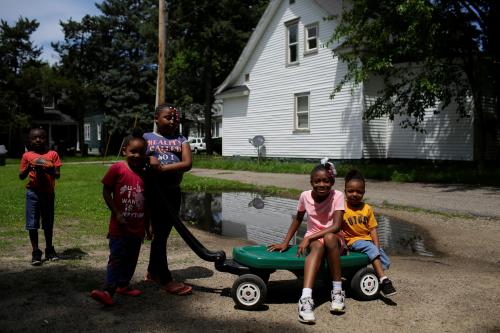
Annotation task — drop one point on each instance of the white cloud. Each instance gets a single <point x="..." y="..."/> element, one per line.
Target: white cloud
<point x="48" y="13"/>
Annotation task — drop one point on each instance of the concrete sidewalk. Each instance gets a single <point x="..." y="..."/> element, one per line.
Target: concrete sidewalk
<point x="446" y="198"/>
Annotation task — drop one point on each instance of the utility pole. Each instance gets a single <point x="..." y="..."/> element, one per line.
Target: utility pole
<point x="162" y="45"/>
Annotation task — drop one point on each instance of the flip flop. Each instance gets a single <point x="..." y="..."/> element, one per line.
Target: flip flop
<point x="181" y="290"/>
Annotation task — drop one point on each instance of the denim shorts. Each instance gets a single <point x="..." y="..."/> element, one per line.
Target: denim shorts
<point x="372" y="251"/>
<point x="39" y="205"/>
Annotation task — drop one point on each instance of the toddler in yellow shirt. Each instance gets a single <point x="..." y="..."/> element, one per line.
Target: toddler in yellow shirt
<point x="360" y="229"/>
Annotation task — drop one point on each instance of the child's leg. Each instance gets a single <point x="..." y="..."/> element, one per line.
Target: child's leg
<point x="47" y="215"/>
<point x="162" y="223"/>
<point x="333" y="256"/>
<point x="373" y="252"/>
<point x="377" y="266"/>
<point x="311" y="267"/>
<point x="32" y="217"/>
<point x="115" y="264"/>
<point x="333" y="245"/>
<point x="158" y="264"/>
<point x="34" y="239"/>
<point x="131" y="255"/>
<point x="313" y="262"/>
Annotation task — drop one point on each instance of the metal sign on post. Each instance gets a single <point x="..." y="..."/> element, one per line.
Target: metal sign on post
<point x="257" y="142"/>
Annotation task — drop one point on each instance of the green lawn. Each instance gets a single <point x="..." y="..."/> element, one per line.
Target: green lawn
<point x="461" y="172"/>
<point x="81" y="215"/>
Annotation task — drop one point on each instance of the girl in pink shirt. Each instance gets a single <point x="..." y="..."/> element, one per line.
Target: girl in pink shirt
<point x="325" y="208"/>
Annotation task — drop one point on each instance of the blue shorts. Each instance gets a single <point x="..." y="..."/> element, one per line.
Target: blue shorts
<point x="39" y="205"/>
<point x="372" y="251"/>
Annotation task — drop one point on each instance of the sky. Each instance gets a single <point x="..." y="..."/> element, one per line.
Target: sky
<point x="48" y="13"/>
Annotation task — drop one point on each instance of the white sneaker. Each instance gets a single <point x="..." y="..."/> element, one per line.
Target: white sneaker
<point x="338" y="301"/>
<point x="306" y="310"/>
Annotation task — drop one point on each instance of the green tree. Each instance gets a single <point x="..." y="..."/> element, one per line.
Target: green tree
<point x="20" y="83"/>
<point x="425" y="51"/>
<point x="205" y="40"/>
<point x="109" y="62"/>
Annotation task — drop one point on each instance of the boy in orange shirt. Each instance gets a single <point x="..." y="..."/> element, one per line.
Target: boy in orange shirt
<point x="360" y="229"/>
<point x="42" y="167"/>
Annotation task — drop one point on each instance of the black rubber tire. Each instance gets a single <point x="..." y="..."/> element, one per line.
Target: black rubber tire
<point x="365" y="285"/>
<point x="249" y="292"/>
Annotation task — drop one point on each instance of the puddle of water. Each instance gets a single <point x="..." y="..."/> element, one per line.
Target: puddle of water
<point x="265" y="220"/>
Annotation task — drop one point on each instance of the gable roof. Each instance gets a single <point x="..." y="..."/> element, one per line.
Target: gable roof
<point x="251" y="44"/>
<point x="329" y="6"/>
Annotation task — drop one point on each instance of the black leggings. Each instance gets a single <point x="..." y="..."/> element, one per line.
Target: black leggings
<point x="162" y="204"/>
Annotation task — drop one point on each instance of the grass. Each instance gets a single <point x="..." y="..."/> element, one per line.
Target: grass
<point x="81" y="215"/>
<point x="401" y="170"/>
<point x="461" y="172"/>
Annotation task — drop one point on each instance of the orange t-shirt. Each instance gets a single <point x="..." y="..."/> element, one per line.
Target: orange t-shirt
<point x="40" y="181"/>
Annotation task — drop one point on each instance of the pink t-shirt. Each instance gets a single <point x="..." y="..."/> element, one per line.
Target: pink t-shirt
<point x="320" y="215"/>
<point x="128" y="196"/>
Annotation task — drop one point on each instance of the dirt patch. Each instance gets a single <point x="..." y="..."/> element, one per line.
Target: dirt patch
<point x="457" y="290"/>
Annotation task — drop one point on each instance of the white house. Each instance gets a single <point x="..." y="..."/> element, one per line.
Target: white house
<point x="281" y="85"/>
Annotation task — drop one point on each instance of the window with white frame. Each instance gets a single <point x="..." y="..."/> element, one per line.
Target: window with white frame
<point x="302" y="111"/>
<point x="99" y="132"/>
<point x="86" y="132"/>
<point x="311" y="38"/>
<point x="292" y="41"/>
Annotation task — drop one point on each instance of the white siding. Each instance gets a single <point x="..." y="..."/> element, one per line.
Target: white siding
<point x="446" y="136"/>
<point x="335" y="125"/>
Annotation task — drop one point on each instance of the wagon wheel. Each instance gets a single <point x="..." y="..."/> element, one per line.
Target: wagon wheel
<point x="249" y="292"/>
<point x="365" y="284"/>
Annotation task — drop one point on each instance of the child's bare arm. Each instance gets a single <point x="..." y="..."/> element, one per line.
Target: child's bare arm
<point x="184" y="165"/>
<point x="334" y="228"/>
<point x="297" y="220"/>
<point x="337" y="221"/>
<point x="374" y="235"/>
<point x="24" y="168"/>
<point x="107" y="194"/>
<point x="24" y="173"/>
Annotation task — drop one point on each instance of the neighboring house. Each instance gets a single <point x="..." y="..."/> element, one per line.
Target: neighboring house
<point x="62" y="130"/>
<point x="93" y="133"/>
<point x="195" y="124"/>
<point x="281" y="85"/>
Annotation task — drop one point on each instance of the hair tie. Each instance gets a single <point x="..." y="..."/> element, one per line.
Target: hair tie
<point x="329" y="166"/>
<point x="177" y="114"/>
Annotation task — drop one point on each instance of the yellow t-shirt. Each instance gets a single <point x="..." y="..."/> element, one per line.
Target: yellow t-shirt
<point x="357" y="223"/>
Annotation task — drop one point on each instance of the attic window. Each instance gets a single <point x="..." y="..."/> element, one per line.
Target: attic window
<point x="247" y="77"/>
<point x="291" y="2"/>
<point x="292" y="42"/>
